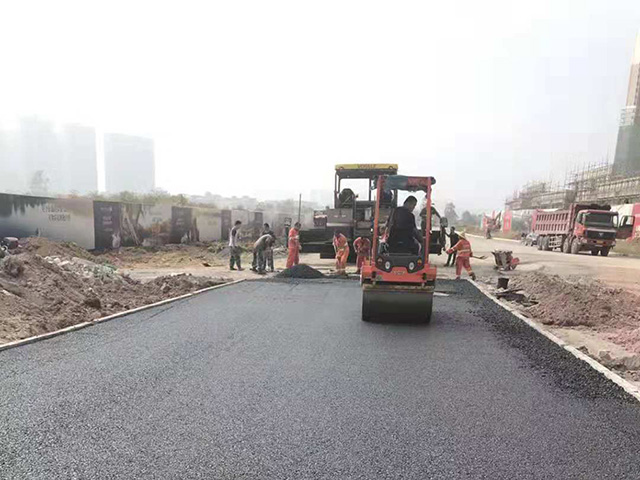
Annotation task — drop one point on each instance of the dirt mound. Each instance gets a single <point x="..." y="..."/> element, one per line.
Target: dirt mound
<point x="581" y="302"/>
<point x="300" y="271"/>
<point x="56" y="291"/>
<point x="46" y="247"/>
<point x="167" y="256"/>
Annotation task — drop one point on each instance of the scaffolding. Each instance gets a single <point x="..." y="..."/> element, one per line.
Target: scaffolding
<point x="588" y="183"/>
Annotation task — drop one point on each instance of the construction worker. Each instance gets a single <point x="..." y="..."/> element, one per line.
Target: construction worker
<point x="262" y="245"/>
<point x="266" y="229"/>
<point x="294" y="245"/>
<point x="453" y="239"/>
<point x="341" y="247"/>
<point x="234" y="246"/>
<point x="363" y="250"/>
<point x="463" y="248"/>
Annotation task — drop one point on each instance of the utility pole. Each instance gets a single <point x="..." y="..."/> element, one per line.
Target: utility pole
<point x="299" y="206"/>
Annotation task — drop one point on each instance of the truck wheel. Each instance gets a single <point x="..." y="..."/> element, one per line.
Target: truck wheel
<point x="545" y="246"/>
<point x="575" y="246"/>
<point x="566" y="245"/>
<point x="594" y="252"/>
<point x="605" y="251"/>
<point x="540" y="242"/>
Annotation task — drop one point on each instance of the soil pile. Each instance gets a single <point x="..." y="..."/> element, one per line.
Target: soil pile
<point x="582" y="302"/>
<point x="300" y="271"/>
<point x="40" y="294"/>
<point x="45" y="248"/>
<point x="171" y="256"/>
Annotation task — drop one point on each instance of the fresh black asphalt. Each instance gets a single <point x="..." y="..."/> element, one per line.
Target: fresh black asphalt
<point x="283" y="380"/>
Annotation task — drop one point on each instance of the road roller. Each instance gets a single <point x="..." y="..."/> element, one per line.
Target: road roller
<point x="398" y="282"/>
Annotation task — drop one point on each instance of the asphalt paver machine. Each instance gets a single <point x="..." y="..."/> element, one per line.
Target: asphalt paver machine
<point x="399" y="286"/>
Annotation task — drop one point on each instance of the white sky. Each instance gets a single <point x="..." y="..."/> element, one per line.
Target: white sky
<point x="264" y="97"/>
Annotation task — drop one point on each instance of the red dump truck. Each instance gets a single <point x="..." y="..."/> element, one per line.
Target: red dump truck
<point x="590" y="227"/>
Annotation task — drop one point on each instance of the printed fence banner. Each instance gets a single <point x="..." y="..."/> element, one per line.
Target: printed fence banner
<point x="206" y="225"/>
<point x="145" y="225"/>
<point x="108" y="231"/>
<point x="60" y="219"/>
<point x="182" y="230"/>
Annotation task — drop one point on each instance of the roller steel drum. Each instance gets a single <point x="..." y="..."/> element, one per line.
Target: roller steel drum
<point x="398" y="303"/>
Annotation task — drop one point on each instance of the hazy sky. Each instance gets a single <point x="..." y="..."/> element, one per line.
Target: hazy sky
<point x="264" y="97"/>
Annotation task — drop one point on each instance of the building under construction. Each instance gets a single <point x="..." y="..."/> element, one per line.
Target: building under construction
<point x="612" y="183"/>
<point x="590" y="184"/>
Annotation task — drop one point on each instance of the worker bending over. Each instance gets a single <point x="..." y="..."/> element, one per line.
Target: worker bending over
<point x="260" y="248"/>
<point x="463" y="248"/>
<point x="294" y="246"/>
<point x="341" y="247"/>
<point x="269" y="252"/>
<point x="363" y="250"/>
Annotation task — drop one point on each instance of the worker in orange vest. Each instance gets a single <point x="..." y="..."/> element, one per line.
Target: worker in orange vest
<point x="294" y="246"/>
<point x="341" y="246"/>
<point x="363" y="249"/>
<point x="463" y="247"/>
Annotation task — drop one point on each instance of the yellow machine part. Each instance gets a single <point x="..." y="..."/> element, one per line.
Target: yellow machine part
<point x="367" y="166"/>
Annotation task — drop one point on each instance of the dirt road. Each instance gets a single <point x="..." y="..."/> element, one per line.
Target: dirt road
<point x="614" y="270"/>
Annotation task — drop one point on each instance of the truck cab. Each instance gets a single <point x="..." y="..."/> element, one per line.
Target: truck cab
<point x="595" y="230"/>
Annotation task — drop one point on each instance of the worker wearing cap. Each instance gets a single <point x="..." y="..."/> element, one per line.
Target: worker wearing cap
<point x="363" y="250"/>
<point x="294" y="246"/>
<point x="463" y="247"/>
<point x="341" y="247"/>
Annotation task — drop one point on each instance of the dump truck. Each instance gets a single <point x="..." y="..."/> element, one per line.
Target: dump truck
<point x="581" y="227"/>
<point x="351" y="215"/>
<point x="629" y="224"/>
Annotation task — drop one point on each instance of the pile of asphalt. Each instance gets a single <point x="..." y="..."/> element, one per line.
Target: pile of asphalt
<point x="300" y="271"/>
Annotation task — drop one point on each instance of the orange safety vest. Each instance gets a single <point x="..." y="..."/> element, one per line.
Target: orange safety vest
<point x="294" y="238"/>
<point x="362" y="246"/>
<point x="463" y="247"/>
<point x="340" y="243"/>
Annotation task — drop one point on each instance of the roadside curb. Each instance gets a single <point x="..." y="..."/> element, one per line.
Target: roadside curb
<point x="80" y="326"/>
<point x="614" y="377"/>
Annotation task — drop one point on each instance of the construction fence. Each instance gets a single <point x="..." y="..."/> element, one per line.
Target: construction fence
<point x="100" y="225"/>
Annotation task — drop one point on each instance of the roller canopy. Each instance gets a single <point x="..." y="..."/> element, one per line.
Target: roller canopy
<point x="402" y="182"/>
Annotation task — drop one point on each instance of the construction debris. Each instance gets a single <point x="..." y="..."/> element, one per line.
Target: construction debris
<point x="13" y="266"/>
<point x="300" y="271"/>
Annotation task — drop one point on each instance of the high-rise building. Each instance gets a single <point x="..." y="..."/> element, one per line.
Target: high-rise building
<point x="627" y="159"/>
<point x="12" y="179"/>
<point x="129" y="163"/>
<point x="80" y="164"/>
<point x="40" y="154"/>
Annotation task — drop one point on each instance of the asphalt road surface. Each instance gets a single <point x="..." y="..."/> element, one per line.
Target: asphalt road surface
<point x="283" y="380"/>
